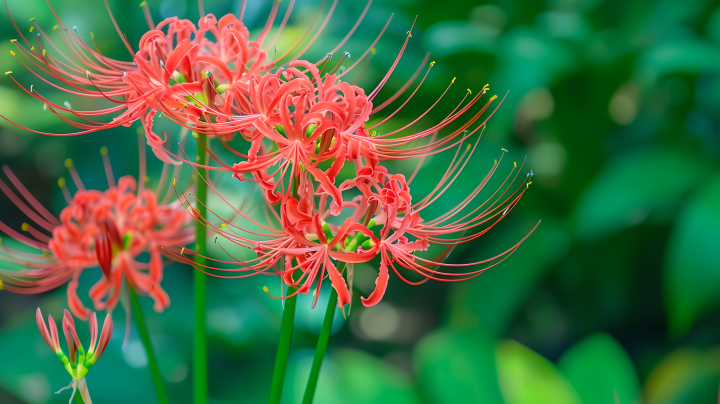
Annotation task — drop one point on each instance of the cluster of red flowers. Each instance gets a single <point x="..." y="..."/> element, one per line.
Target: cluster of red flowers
<point x="109" y="229"/>
<point x="307" y="143"/>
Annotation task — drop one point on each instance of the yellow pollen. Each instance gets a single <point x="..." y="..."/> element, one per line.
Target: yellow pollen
<point x="469" y="91"/>
<point x="56" y="27"/>
<point x="528" y="185"/>
<point x="453" y="80"/>
<point x="486" y="87"/>
<point x="495" y="162"/>
<point x="515" y="164"/>
<point x="68" y="163"/>
<point x="373" y="51"/>
<point x="24" y="227"/>
<point x="174" y="182"/>
<point x="469" y="147"/>
<point x="504" y="149"/>
<point x="493" y="98"/>
<point x="43" y="52"/>
<point x="432" y="63"/>
<point x="32" y="19"/>
<point x="223" y="226"/>
<point x="9" y="72"/>
<point x="195" y="134"/>
<point x="92" y="35"/>
<point x="1" y="285"/>
<point x="32" y="48"/>
<point x="142" y="4"/>
<point x="103" y="151"/>
<point x="31" y="88"/>
<point x="13" y="40"/>
<point x="61" y="182"/>
<point x="409" y="34"/>
<point x="265" y="289"/>
<point x="147" y="179"/>
<point x="12" y="53"/>
<point x="182" y="250"/>
<point x="32" y="28"/>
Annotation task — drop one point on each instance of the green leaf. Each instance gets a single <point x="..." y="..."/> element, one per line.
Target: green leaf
<point x="456" y="367"/>
<point x="675" y="56"/>
<point x="349" y="377"/>
<point x="684" y="376"/>
<point x="649" y="183"/>
<point x="450" y="37"/>
<point x="692" y="272"/>
<point x="489" y="301"/>
<point x="600" y="370"/>
<point x="526" y="377"/>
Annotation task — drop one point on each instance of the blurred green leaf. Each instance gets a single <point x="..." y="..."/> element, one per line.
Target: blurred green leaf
<point x="692" y="274"/>
<point x="456" y="366"/>
<point x="677" y="56"/>
<point x="456" y="36"/>
<point x="635" y="186"/>
<point x="351" y="377"/>
<point x="597" y="367"/>
<point x="685" y="376"/>
<point x="526" y="377"/>
<point x="489" y="301"/>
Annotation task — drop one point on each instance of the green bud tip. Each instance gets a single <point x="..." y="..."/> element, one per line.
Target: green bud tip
<point x="127" y="240"/>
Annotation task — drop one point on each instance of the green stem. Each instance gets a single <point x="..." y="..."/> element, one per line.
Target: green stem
<point x="283" y="350"/>
<point x="322" y="344"/>
<point x="286" y="326"/>
<point x="145" y="338"/>
<point x="200" y="376"/>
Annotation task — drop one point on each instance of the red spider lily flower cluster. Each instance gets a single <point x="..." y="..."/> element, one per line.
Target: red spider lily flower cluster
<point x="196" y="75"/>
<point x="77" y="362"/>
<point x="108" y="229"/>
<point x="315" y="125"/>
<point x="300" y="126"/>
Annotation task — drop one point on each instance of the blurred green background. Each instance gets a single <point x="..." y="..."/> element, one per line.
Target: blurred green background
<point x="614" y="299"/>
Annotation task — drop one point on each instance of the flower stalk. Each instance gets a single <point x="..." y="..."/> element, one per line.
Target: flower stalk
<point x="200" y="376"/>
<point x="283" y="350"/>
<point x="322" y="344"/>
<point x="145" y="338"/>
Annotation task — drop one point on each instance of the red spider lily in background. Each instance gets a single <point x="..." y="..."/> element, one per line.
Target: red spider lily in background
<point x="109" y="229"/>
<point x="77" y="363"/>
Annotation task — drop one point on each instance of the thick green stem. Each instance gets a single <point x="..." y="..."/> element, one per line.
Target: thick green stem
<point x="321" y="347"/>
<point x="283" y="350"/>
<point x="145" y="338"/>
<point x="200" y="376"/>
<point x="286" y="327"/>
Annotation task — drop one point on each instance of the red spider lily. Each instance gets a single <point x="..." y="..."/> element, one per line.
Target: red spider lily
<point x="307" y="128"/>
<point x="77" y="363"/>
<point x="174" y="72"/>
<point x="109" y="229"/>
<point x="383" y="222"/>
